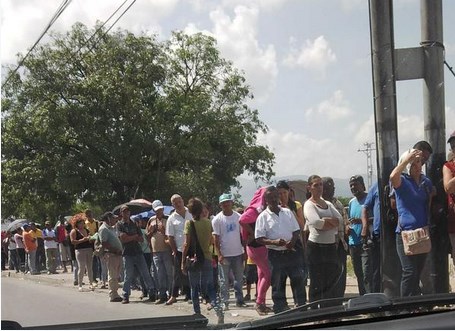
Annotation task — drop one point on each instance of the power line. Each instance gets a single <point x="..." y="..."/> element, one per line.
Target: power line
<point x="121" y="15"/>
<point x="102" y="25"/>
<point x="54" y="18"/>
<point x="450" y="68"/>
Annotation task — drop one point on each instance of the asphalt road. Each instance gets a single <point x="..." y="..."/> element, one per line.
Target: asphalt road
<point x="31" y="304"/>
<point x="52" y="299"/>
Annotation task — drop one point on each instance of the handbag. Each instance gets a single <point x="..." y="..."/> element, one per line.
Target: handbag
<point x="195" y="256"/>
<point x="416" y="241"/>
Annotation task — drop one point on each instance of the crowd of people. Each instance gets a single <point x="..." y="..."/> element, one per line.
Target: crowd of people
<point x="196" y="255"/>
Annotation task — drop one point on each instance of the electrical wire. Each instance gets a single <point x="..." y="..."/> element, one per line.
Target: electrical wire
<point x="102" y="25"/>
<point x="54" y="18"/>
<point x="115" y="22"/>
<point x="450" y="68"/>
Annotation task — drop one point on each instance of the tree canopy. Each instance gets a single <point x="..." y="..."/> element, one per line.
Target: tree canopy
<point x="102" y="118"/>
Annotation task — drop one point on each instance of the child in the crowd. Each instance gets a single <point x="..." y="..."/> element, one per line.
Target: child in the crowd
<point x="251" y="278"/>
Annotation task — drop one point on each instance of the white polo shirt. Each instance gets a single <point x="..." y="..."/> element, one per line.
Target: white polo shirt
<point x="175" y="225"/>
<point x="273" y="226"/>
<point x="228" y="229"/>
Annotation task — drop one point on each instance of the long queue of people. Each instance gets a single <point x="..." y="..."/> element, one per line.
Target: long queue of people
<point x="194" y="254"/>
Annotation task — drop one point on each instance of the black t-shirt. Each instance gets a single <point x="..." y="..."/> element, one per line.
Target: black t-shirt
<point x="130" y="228"/>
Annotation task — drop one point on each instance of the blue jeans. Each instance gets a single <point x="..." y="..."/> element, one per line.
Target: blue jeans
<point x="152" y="271"/>
<point x="376" y="265"/>
<point x="138" y="261"/>
<point x="285" y="264"/>
<point x="234" y="263"/>
<point x="411" y="268"/>
<point x="164" y="272"/>
<point x="202" y="281"/>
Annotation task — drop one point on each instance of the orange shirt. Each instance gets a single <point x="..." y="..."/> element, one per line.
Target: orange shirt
<point x="29" y="241"/>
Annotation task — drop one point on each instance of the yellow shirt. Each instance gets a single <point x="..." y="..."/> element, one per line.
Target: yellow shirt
<point x="92" y="226"/>
<point x="36" y="234"/>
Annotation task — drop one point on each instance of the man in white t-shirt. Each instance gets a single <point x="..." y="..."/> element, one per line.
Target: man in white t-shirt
<point x="50" y="247"/>
<point x="226" y="236"/>
<point x="174" y="232"/>
<point x="278" y="230"/>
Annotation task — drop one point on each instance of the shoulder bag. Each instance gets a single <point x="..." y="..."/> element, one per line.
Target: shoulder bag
<point x="416" y="241"/>
<point x="195" y="256"/>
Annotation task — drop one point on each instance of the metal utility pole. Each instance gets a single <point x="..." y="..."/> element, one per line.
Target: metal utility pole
<point x="389" y="65"/>
<point x="385" y="115"/>
<point x="434" y="126"/>
<point x="367" y="150"/>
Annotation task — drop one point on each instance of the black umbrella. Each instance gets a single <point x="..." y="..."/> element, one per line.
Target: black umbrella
<point x="135" y="206"/>
<point x="16" y="224"/>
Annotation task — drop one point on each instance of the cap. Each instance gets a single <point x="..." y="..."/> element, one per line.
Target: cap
<point x="157" y="204"/>
<point x="452" y="136"/>
<point x="225" y="197"/>
<point x="26" y="225"/>
<point x="123" y="207"/>
<point x="106" y="216"/>
<point x="47" y="223"/>
<point x="283" y="184"/>
<point x="357" y="178"/>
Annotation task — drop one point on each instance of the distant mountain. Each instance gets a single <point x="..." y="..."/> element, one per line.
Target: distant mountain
<point x="249" y="186"/>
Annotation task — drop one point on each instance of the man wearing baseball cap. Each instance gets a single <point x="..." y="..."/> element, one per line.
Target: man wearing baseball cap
<point x="162" y="257"/>
<point x="226" y="235"/>
<point x="50" y="248"/>
<point x="112" y="248"/>
<point x="30" y="248"/>
<point x="131" y="235"/>
<point x="359" y="255"/>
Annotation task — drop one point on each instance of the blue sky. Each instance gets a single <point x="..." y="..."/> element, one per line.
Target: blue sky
<point x="307" y="62"/>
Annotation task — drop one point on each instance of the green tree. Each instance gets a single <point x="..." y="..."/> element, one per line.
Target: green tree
<point x="212" y="137"/>
<point x="104" y="119"/>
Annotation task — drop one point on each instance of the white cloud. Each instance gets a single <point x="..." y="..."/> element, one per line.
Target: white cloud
<point x="315" y="55"/>
<point x="410" y="129"/>
<point x="299" y="154"/>
<point x="238" y="41"/>
<point x="334" y="108"/>
<point x="267" y="5"/>
<point x="23" y="21"/>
